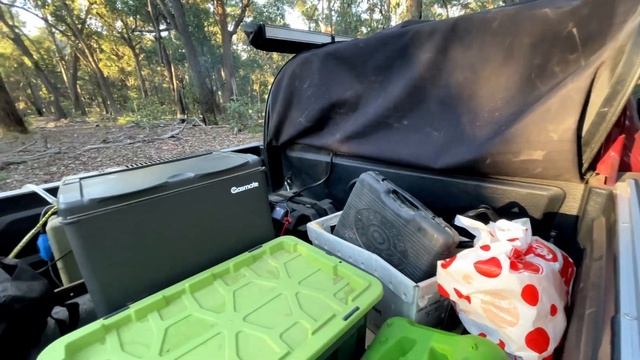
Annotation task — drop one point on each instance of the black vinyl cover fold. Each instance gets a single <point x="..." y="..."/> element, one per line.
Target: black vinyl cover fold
<point x="526" y="91"/>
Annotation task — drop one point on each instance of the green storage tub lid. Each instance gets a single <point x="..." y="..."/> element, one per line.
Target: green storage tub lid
<point x="285" y="299"/>
<point x="402" y="339"/>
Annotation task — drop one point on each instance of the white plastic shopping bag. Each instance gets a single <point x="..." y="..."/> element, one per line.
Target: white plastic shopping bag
<point x="511" y="287"/>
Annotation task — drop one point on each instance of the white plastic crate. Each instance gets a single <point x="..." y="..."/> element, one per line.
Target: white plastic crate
<point x="419" y="302"/>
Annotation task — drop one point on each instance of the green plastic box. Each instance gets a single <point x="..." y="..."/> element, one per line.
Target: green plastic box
<point x="284" y="299"/>
<point x="402" y="339"/>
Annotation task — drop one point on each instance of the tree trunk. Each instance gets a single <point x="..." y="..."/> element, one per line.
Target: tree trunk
<point x="60" y="59"/>
<point x="92" y="60"/>
<point x="204" y="90"/>
<point x="74" y="90"/>
<point x="39" y="111"/>
<point x="415" y="9"/>
<point x="69" y="70"/>
<point x="178" y="95"/>
<point x="181" y="110"/>
<point x="330" y="13"/>
<point x="259" y="96"/>
<point x="103" y="100"/>
<point x="104" y="87"/>
<point x="179" y="86"/>
<point x="10" y="118"/>
<point x="107" y="95"/>
<point x="126" y="36"/>
<point x="445" y="4"/>
<point x="179" y="102"/>
<point x="142" y="84"/>
<point x="36" y="100"/>
<point x="229" y="90"/>
<point x="218" y="79"/>
<point x="53" y="90"/>
<point x="385" y="13"/>
<point x="228" y="72"/>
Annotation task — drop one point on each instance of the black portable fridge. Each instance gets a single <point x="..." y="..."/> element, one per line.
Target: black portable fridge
<point x="136" y="231"/>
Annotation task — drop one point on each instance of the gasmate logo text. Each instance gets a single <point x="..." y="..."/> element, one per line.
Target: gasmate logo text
<point x="237" y="189"/>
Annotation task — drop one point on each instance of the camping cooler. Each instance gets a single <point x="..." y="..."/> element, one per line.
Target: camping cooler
<point x="136" y="231"/>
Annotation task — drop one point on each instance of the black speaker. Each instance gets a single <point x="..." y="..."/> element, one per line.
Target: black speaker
<point x="382" y="218"/>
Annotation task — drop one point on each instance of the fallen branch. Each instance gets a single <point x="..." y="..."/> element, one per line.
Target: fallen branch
<point x="24" y="159"/>
<point x="25" y="146"/>
<point x="196" y="121"/>
<point x="101" y="146"/>
<point x="172" y="134"/>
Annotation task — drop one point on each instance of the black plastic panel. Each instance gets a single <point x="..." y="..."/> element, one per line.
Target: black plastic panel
<point x="446" y="196"/>
<point x="19" y="213"/>
<point x="589" y="331"/>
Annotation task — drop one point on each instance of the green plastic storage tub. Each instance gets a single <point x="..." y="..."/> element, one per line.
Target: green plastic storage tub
<point x="402" y="339"/>
<point x="284" y="299"/>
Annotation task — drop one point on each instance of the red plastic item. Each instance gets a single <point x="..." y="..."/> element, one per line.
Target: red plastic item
<point x="621" y="149"/>
<point x="285" y="224"/>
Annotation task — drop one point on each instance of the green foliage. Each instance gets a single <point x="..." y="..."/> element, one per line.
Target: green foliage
<point x="242" y="114"/>
<point x="147" y="112"/>
<point x="270" y="11"/>
<point x="202" y="27"/>
<point x="120" y="38"/>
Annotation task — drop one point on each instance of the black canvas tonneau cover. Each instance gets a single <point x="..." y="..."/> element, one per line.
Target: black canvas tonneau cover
<point x="526" y="91"/>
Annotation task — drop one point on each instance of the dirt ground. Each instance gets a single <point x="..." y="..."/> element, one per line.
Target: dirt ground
<point x="53" y="150"/>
